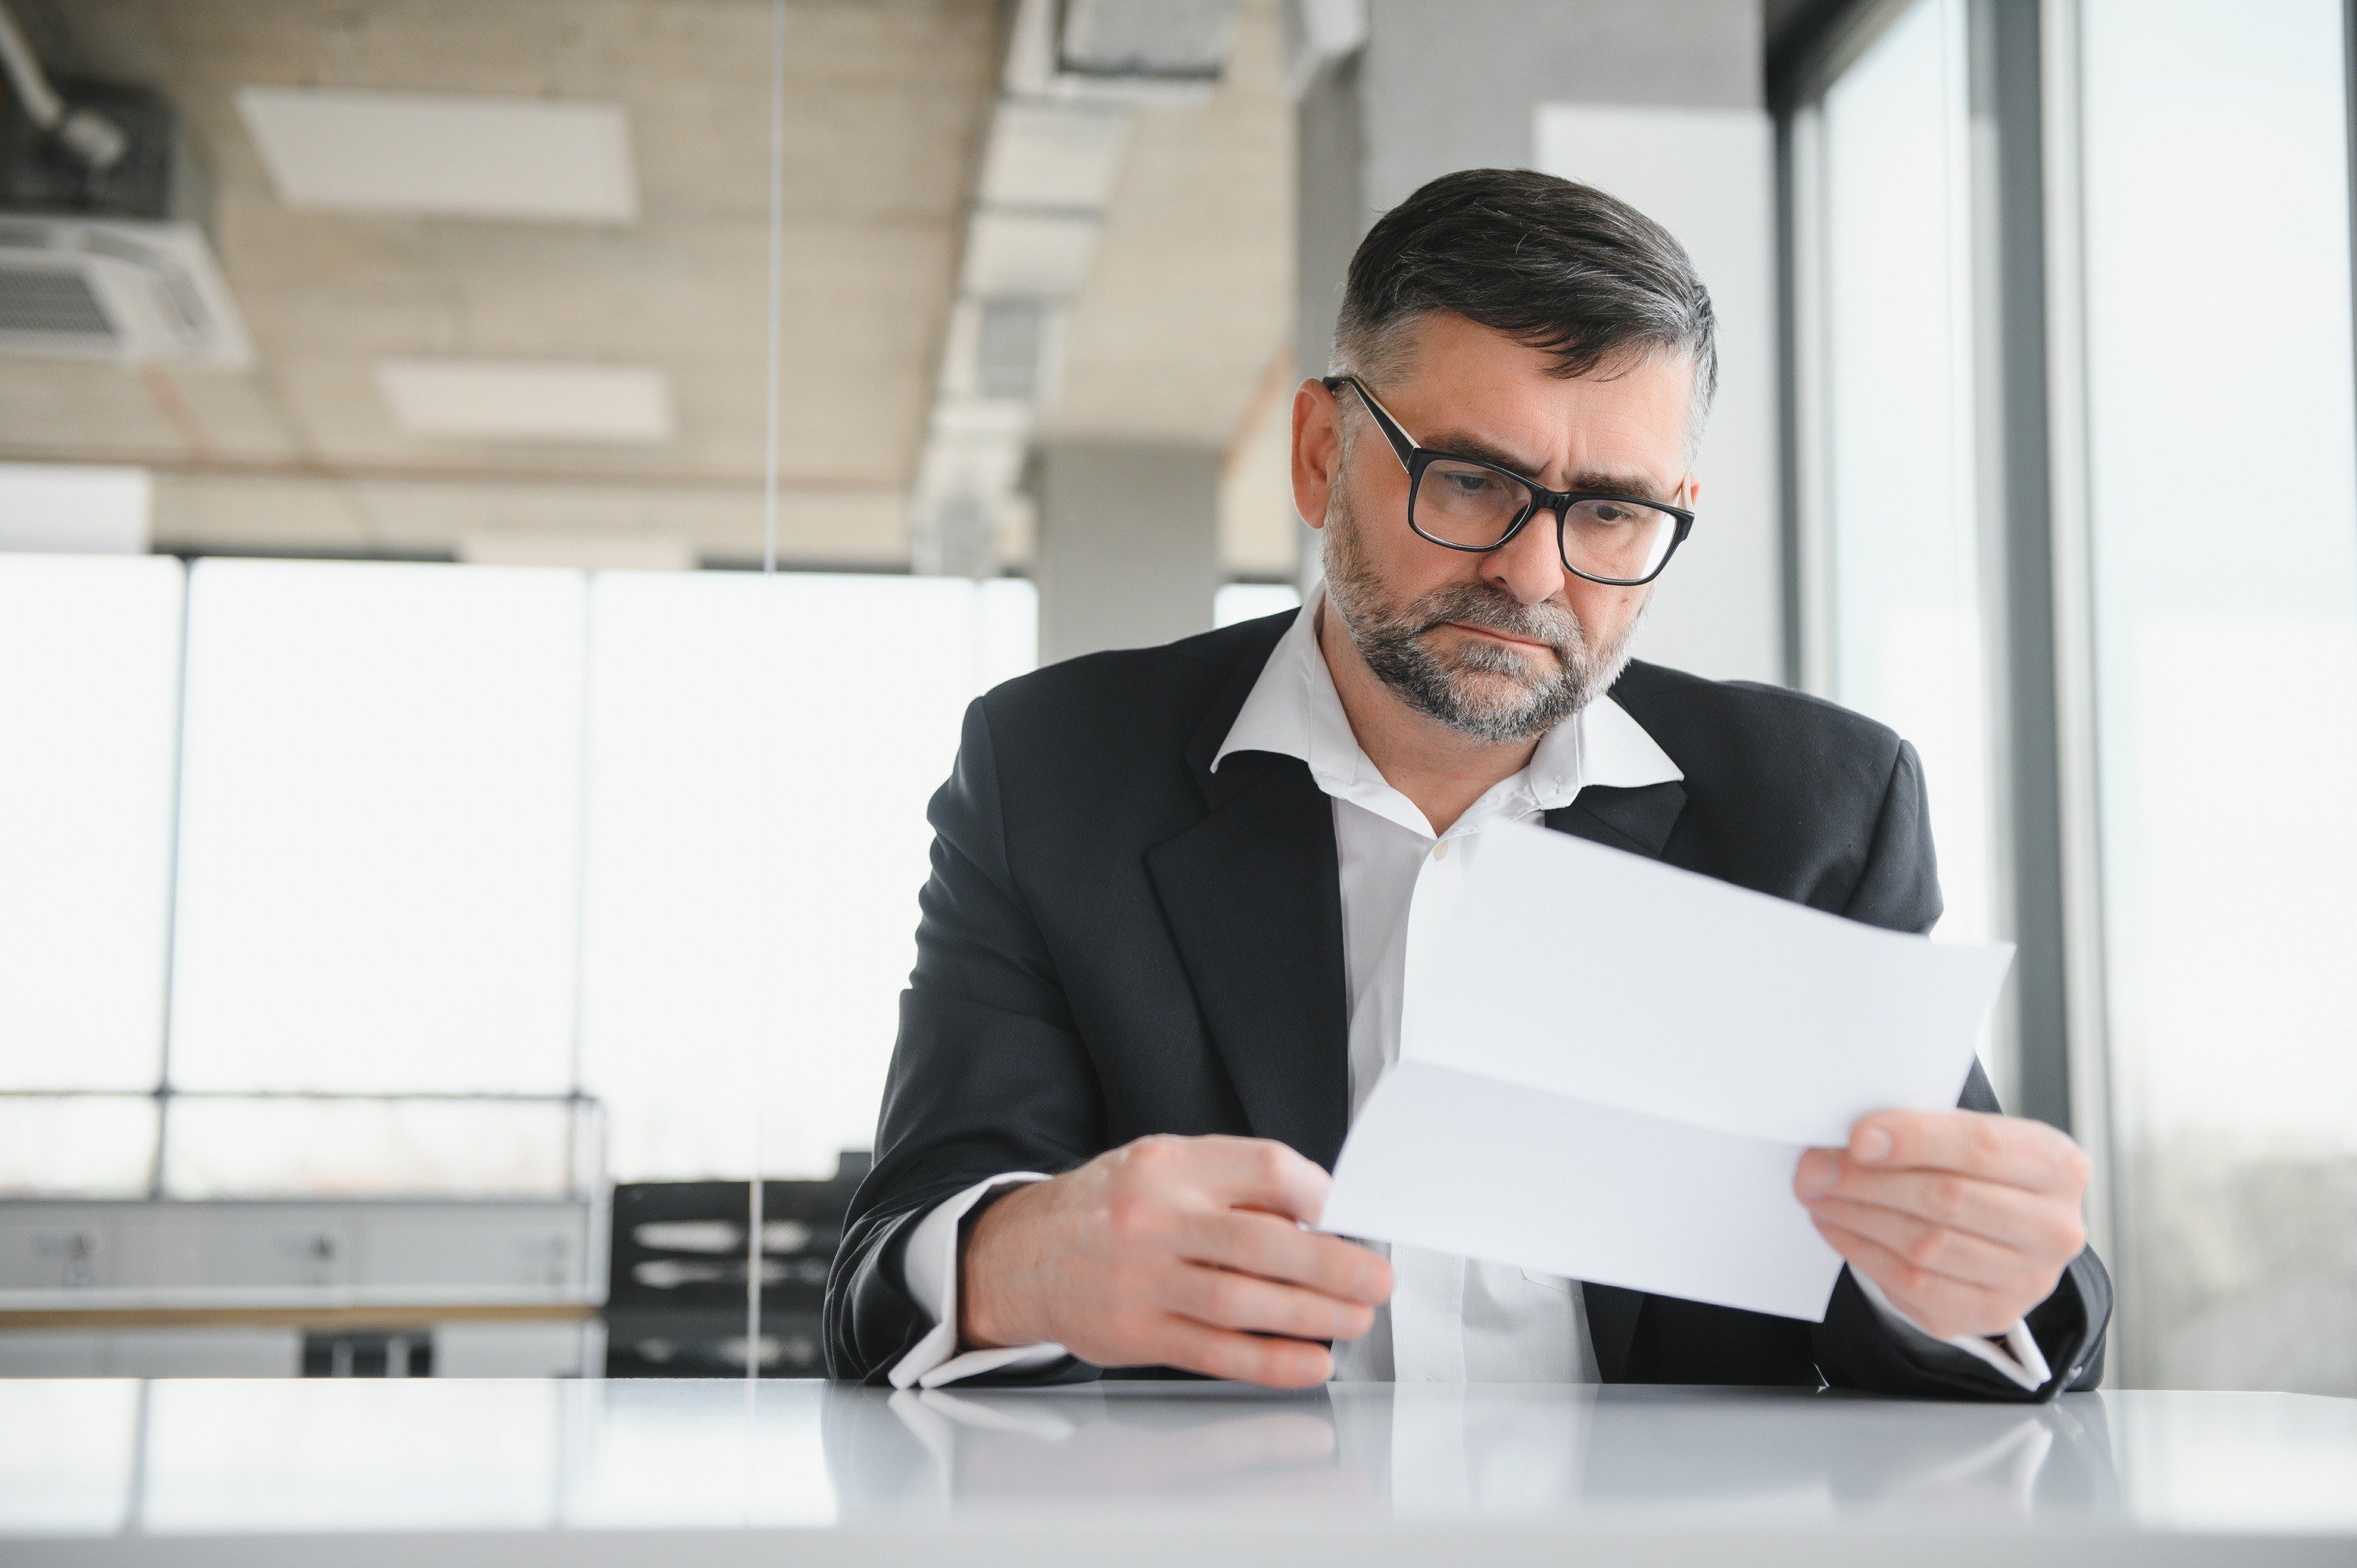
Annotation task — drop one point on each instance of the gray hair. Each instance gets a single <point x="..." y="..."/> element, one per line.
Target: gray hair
<point x="1552" y="263"/>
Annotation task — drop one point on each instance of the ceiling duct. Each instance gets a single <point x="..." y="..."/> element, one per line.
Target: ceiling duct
<point x="1012" y="338"/>
<point x="1076" y="71"/>
<point x="1145" y="41"/>
<point x="99" y="256"/>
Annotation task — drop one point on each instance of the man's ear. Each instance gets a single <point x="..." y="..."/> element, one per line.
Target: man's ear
<point x="1317" y="449"/>
<point x="1690" y="493"/>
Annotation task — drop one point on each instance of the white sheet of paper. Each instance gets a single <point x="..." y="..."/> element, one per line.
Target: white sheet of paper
<point x="1609" y="1068"/>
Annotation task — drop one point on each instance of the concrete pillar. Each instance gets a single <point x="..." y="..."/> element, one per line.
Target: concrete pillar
<point x="1129" y="544"/>
<point x="1330" y="210"/>
<point x="1659" y="102"/>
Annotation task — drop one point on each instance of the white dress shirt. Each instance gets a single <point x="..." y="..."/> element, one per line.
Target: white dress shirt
<point x="1450" y="1319"/>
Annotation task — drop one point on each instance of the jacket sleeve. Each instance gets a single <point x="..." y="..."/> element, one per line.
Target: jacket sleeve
<point x="987" y="1074"/>
<point x="1898" y="888"/>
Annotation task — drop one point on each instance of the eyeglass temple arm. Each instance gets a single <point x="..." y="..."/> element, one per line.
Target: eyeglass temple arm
<point x="1402" y="446"/>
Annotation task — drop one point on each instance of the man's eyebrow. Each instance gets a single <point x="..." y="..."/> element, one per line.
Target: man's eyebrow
<point x="1636" y="487"/>
<point x="1458" y="443"/>
<point x="1455" y="444"/>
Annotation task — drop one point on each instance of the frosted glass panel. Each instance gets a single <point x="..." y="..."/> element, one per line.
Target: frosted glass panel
<point x="761" y="752"/>
<point x="90" y="662"/>
<point x="379" y="827"/>
<point x="1907" y="630"/>
<point x="2226" y="659"/>
<point x="77" y="1145"/>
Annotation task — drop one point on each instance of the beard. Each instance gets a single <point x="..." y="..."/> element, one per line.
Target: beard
<point x="1476" y="687"/>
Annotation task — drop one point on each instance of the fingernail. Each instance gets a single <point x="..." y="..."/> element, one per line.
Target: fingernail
<point x="1873" y="1145"/>
<point x="1818" y="1174"/>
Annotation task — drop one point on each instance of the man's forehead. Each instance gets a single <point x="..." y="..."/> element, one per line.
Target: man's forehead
<point x="1479" y="393"/>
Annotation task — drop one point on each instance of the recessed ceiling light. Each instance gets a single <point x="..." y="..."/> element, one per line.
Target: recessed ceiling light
<point x="523" y="400"/>
<point x="458" y="155"/>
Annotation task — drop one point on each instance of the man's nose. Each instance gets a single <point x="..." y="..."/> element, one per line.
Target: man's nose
<point x="1530" y="564"/>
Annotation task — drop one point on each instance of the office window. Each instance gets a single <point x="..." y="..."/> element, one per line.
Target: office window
<point x="400" y="946"/>
<point x="1897" y="606"/>
<point x="1903" y="567"/>
<point x="90" y="671"/>
<point x="761" y="752"/>
<point x="77" y="1145"/>
<point x="379" y="828"/>
<point x="1249" y="601"/>
<point x="2224" y="510"/>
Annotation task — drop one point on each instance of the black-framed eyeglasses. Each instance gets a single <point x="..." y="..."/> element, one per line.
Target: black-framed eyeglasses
<point x="1463" y="503"/>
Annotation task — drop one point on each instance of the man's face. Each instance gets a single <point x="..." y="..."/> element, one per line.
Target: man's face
<point x="1505" y="644"/>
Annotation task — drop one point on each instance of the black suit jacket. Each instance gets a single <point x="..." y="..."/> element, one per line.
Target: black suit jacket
<point x="1115" y="940"/>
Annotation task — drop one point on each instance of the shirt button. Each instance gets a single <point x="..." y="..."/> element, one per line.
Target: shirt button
<point x="1440" y="850"/>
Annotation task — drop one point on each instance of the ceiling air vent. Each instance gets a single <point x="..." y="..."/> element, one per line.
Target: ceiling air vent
<point x="41" y="302"/>
<point x="97" y="258"/>
<point x="125" y="290"/>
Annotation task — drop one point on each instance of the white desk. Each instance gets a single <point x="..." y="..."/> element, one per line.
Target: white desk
<point x="192" y="1474"/>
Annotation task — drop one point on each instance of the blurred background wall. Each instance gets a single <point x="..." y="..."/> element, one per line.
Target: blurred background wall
<point x="427" y="835"/>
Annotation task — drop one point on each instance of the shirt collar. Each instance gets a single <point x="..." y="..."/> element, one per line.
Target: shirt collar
<point x="1293" y="710"/>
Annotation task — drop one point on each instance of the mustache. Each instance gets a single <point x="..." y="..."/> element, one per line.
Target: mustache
<point x="1474" y="604"/>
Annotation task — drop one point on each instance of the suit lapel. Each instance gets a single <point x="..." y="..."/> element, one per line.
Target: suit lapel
<point x="1612" y="1312"/>
<point x="1638" y="820"/>
<point x="1254" y="896"/>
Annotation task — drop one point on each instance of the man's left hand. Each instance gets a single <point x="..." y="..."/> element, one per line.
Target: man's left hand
<point x="1967" y="1220"/>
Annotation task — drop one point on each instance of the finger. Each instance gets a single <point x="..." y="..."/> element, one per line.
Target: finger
<point x="2009" y="1149"/>
<point x="1955" y="1254"/>
<point x="1941" y="1306"/>
<point x="1259" y="1173"/>
<point x="1219" y="1298"/>
<point x="1279" y="1250"/>
<point x="2027" y="1221"/>
<point x="1241" y="1357"/>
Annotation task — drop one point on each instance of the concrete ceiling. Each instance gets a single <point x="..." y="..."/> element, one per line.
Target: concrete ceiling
<point x="886" y="101"/>
<point x="1185" y="332"/>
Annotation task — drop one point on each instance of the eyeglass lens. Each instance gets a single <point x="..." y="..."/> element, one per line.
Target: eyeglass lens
<point x="1469" y="505"/>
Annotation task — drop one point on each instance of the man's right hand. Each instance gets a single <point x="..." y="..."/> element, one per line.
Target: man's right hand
<point x="1173" y="1252"/>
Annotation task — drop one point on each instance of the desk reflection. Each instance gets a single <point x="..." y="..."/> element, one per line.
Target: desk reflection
<point x="359" y="1456"/>
<point x="1434" y="1452"/>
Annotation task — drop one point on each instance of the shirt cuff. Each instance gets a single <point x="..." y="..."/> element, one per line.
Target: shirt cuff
<point x="2020" y="1360"/>
<point x="928" y="1266"/>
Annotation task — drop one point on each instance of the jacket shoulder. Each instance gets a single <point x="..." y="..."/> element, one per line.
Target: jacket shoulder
<point x="1123" y="687"/>
<point x="1766" y="754"/>
<point x="1676" y="707"/>
<point x="1110" y="713"/>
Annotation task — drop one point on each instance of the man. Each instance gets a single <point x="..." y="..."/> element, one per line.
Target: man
<point x="1161" y="954"/>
